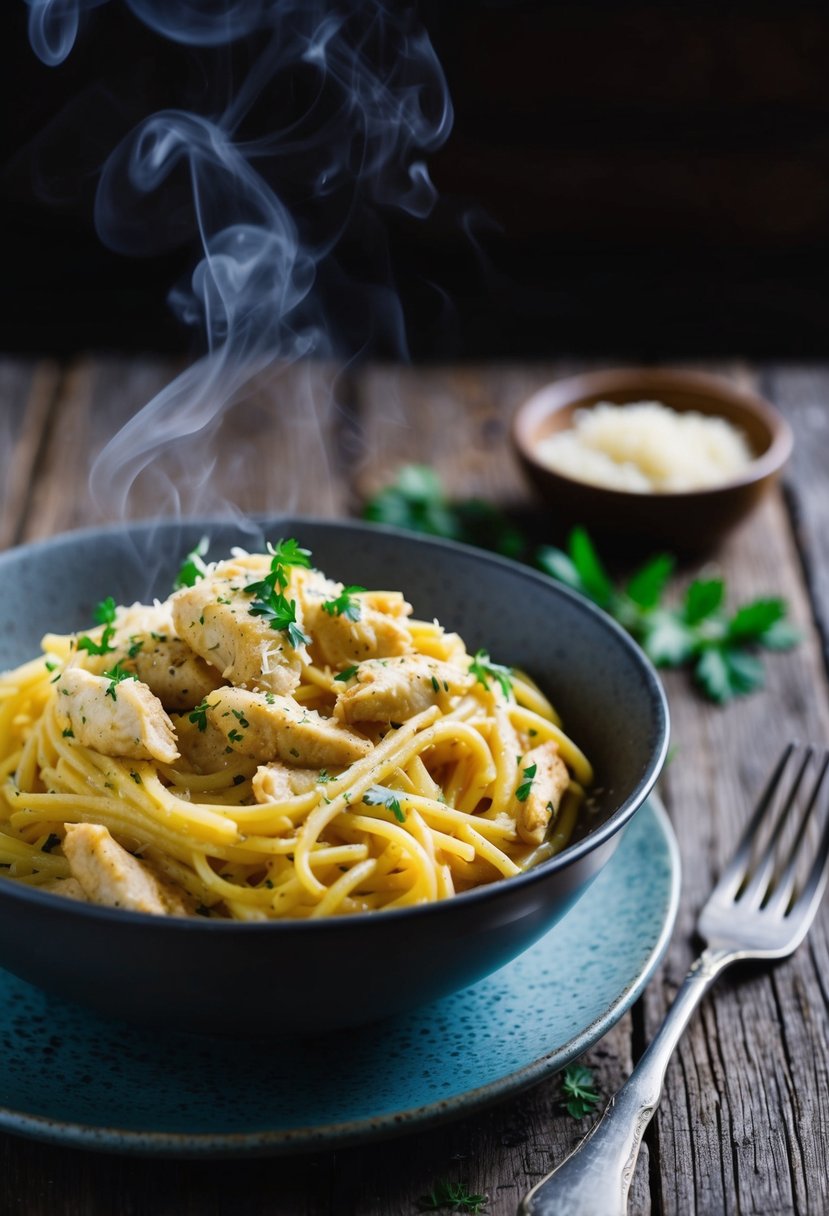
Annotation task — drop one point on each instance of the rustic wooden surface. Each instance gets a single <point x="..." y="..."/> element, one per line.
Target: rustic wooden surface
<point x="744" y="1124"/>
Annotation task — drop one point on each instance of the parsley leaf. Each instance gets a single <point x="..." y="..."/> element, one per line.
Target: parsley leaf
<point x="115" y="675"/>
<point x="280" y="614"/>
<point x="483" y="669"/>
<point x="345" y="604"/>
<point x="452" y="1197"/>
<point x="379" y="795"/>
<point x="103" y="647"/>
<point x="346" y="674"/>
<point x="579" y="1087"/>
<point x="199" y="714"/>
<point x="415" y="501"/>
<point x="523" y="791"/>
<point x="105" y="611"/>
<point x="193" y="567"/>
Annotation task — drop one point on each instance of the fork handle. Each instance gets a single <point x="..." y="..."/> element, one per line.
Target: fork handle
<point x="596" y="1177"/>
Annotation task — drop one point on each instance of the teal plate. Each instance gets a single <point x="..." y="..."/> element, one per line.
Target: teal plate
<point x="73" y="1078"/>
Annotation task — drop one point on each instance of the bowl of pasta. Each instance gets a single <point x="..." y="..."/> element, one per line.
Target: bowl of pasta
<point x="294" y="775"/>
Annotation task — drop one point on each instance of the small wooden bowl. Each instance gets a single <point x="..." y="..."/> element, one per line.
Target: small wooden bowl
<point x="689" y="521"/>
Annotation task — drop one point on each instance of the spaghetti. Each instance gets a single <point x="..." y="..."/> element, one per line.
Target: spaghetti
<point x="268" y="743"/>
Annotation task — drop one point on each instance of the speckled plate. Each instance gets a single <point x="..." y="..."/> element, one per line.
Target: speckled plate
<point x="73" y="1078"/>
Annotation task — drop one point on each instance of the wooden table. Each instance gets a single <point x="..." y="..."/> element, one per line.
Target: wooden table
<point x="744" y="1124"/>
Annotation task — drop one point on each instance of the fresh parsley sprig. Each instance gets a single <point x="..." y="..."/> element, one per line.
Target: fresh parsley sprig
<point x="483" y="669"/>
<point x="273" y="605"/>
<point x="198" y="715"/>
<point x="193" y="567"/>
<point x="116" y="675"/>
<point x="380" y="795"/>
<point x="719" y="645"/>
<point x="452" y="1197"/>
<point x="104" y="615"/>
<point x="345" y="603"/>
<point x="524" y="789"/>
<point x="580" y="1090"/>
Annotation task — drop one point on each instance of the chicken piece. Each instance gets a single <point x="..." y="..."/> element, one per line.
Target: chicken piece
<point x="206" y="751"/>
<point x="270" y="727"/>
<point x="117" y="719"/>
<point x="178" y="677"/>
<point x="394" y="690"/>
<point x="550" y="780"/>
<point x="278" y="782"/>
<point x="214" y="619"/>
<point x="378" y="632"/>
<point x="111" y="876"/>
<point x="70" y="888"/>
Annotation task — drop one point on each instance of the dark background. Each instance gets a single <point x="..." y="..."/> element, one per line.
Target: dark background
<point x="625" y="178"/>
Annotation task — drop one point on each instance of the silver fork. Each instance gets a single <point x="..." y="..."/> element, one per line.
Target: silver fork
<point x="757" y="910"/>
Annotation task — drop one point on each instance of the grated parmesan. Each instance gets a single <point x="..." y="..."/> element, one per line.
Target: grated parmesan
<point x="646" y="448"/>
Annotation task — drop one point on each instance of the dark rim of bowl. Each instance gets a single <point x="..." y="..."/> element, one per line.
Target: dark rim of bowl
<point x="572" y="853"/>
<point x="769" y="462"/>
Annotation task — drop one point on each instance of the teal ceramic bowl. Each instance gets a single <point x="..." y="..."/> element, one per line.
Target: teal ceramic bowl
<point x="307" y="977"/>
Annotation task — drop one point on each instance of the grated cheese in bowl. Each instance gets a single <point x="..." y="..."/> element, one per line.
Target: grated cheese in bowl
<point x="647" y="448"/>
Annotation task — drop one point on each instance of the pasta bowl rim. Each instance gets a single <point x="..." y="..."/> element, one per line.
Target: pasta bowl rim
<point x="292" y="523"/>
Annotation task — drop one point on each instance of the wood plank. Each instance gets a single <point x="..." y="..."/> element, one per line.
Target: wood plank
<point x="27" y="394"/>
<point x="268" y="453"/>
<point x="748" y="1092"/>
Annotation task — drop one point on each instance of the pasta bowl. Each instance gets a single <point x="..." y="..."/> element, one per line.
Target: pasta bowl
<point x="303" y="976"/>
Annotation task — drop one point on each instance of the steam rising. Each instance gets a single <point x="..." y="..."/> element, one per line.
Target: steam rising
<point x="377" y="103"/>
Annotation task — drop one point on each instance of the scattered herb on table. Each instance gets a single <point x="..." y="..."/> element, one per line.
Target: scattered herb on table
<point x="580" y="1090"/>
<point x="415" y="500"/>
<point x="452" y="1197"/>
<point x="719" y="645"/>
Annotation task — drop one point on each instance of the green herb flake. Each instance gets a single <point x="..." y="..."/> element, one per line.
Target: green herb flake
<point x="198" y="716"/>
<point x="136" y="777"/>
<point x="193" y="567"/>
<point x="452" y="1197"/>
<point x="346" y="674"/>
<point x="579" y="1088"/>
<point x="523" y="791"/>
<point x="380" y="795"/>
<point x="345" y="604"/>
<point x="116" y="675"/>
<point x="68" y="733"/>
<point x="484" y="669"/>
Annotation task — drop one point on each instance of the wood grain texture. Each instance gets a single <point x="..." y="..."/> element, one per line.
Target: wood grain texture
<point x="744" y="1125"/>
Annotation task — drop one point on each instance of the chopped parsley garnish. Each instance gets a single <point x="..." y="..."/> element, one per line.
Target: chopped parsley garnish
<point x="135" y="647"/>
<point x="51" y="665"/>
<point x="452" y="1197"/>
<point x="104" y="615"/>
<point x="345" y="604"/>
<point x="346" y="674"/>
<point x="579" y="1087"/>
<point x="105" y="611"/>
<point x="193" y="567"/>
<point x="199" y="715"/>
<point x="324" y="777"/>
<point x="435" y="684"/>
<point x="523" y="791"/>
<point x="68" y="733"/>
<point x="240" y="718"/>
<point x="135" y="776"/>
<point x="483" y="669"/>
<point x="51" y="842"/>
<point x="280" y="613"/>
<point x="235" y="736"/>
<point x="115" y="675"/>
<point x="379" y="795"/>
<point x="272" y="605"/>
